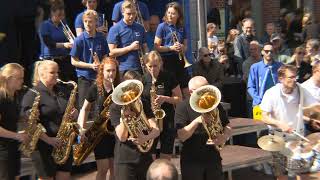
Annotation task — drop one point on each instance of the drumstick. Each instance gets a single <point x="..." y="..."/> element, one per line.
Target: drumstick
<point x="299" y="135"/>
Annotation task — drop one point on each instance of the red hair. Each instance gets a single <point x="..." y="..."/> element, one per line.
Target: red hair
<point x="99" y="80"/>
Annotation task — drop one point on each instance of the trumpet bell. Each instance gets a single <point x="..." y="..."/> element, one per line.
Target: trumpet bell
<point x="205" y="99"/>
<point x="127" y="92"/>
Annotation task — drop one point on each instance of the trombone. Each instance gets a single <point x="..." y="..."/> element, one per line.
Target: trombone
<point x="67" y="32"/>
<point x="139" y="18"/>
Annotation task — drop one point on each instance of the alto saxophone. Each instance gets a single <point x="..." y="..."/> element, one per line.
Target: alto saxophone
<point x="68" y="129"/>
<point x="157" y="111"/>
<point x="127" y="94"/>
<point x="94" y="134"/>
<point x="34" y="129"/>
<point x="182" y="57"/>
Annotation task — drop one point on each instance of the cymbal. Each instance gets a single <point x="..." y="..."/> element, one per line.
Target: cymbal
<point x="271" y="143"/>
<point x="304" y="146"/>
<point x="314" y="137"/>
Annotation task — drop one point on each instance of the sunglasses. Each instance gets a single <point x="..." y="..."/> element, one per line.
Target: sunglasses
<point x="206" y="55"/>
<point x="267" y="51"/>
<point x="300" y="53"/>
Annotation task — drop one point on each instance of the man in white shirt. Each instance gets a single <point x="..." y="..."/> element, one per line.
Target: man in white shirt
<point x="282" y="104"/>
<point x="312" y="85"/>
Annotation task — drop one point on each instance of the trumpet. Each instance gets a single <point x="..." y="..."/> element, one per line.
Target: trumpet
<point x="182" y="57"/>
<point x="94" y="56"/>
<point x="67" y="32"/>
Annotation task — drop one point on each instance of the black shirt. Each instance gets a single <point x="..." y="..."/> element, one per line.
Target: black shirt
<point x="94" y="96"/>
<point x="52" y="105"/>
<point x="195" y="149"/>
<point x="165" y="84"/>
<point x="127" y="152"/>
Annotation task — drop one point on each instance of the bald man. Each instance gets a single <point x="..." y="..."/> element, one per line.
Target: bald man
<point x="199" y="160"/>
<point x="162" y="169"/>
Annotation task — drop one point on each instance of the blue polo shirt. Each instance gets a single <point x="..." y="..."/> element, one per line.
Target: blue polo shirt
<point x="117" y="14"/>
<point x="78" y="23"/>
<point x="81" y="49"/>
<point x="55" y="33"/>
<point x="123" y="35"/>
<point x="261" y="77"/>
<point x="164" y="32"/>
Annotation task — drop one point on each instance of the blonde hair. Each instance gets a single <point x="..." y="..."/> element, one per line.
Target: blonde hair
<point x="40" y="67"/>
<point x="128" y="4"/>
<point x="7" y="71"/>
<point x="90" y="13"/>
<point x="152" y="55"/>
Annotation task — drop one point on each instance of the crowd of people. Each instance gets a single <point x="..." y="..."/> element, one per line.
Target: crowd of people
<point x="137" y="45"/>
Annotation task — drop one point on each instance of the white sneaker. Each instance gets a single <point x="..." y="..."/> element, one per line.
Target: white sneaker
<point x="258" y="167"/>
<point x="267" y="169"/>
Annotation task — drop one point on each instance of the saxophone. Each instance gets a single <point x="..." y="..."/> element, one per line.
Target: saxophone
<point x="68" y="129"/>
<point x="94" y="134"/>
<point x="34" y="129"/>
<point x="157" y="111"/>
<point x="127" y="94"/>
<point x="182" y="57"/>
<point x="205" y="100"/>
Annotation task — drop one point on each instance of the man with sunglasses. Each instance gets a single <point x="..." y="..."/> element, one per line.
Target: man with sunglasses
<point x="263" y="75"/>
<point x="208" y="68"/>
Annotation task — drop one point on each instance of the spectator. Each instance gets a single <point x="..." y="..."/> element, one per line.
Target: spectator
<point x="312" y="50"/>
<point x="212" y="38"/>
<point x="233" y="33"/>
<point x="241" y="44"/>
<point x="208" y="68"/>
<point x="270" y="29"/>
<point x="154" y="22"/>
<point x="221" y="49"/>
<point x="228" y="70"/>
<point x="263" y="75"/>
<point x="162" y="169"/>
<point x="303" y="67"/>
<point x="281" y="51"/>
<point x="295" y="28"/>
<point x="311" y="30"/>
<point x="213" y="15"/>
<point x="255" y="56"/>
<point x="312" y="85"/>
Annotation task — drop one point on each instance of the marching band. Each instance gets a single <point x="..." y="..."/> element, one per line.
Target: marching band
<point x="137" y="99"/>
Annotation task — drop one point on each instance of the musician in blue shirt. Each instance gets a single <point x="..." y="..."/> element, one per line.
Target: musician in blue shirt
<point x="169" y="50"/>
<point x="90" y="5"/>
<point x="126" y="39"/>
<point x="87" y="51"/>
<point x="54" y="43"/>
<point x="117" y="12"/>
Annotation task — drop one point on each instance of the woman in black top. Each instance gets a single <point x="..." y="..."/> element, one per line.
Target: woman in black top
<point x="168" y="95"/>
<point x="300" y="61"/>
<point x="129" y="162"/>
<point x="53" y="102"/>
<point x="11" y="80"/>
<point x="107" y="77"/>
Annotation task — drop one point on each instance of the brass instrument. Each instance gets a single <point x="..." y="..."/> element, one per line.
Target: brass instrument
<point x="68" y="129"/>
<point x="34" y="129"/>
<point x="182" y="57"/>
<point x="127" y="94"/>
<point x="94" y="56"/>
<point x="67" y="32"/>
<point x="139" y="18"/>
<point x="94" y="134"/>
<point x="205" y="100"/>
<point x="157" y="111"/>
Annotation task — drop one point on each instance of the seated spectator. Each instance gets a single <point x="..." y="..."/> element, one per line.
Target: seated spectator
<point x="270" y="29"/>
<point x="281" y="52"/>
<point x="233" y="33"/>
<point x="303" y="66"/>
<point x="228" y="70"/>
<point x="221" y="49"/>
<point x="208" y="68"/>
<point x="255" y="56"/>
<point x="312" y="50"/>
<point x="162" y="169"/>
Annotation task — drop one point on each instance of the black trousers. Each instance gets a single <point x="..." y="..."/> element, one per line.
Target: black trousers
<point x="208" y="171"/>
<point x="131" y="171"/>
<point x="83" y="86"/>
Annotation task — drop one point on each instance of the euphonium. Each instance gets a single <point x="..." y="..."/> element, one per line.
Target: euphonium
<point x="94" y="134"/>
<point x="205" y="100"/>
<point x="182" y="57"/>
<point x="67" y="32"/>
<point x="68" y="129"/>
<point x="127" y="94"/>
<point x="34" y="129"/>
<point x="157" y="111"/>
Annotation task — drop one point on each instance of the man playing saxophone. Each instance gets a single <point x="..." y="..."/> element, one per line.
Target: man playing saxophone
<point x="164" y="92"/>
<point x="52" y="105"/>
<point x="130" y="163"/>
<point x="107" y="77"/>
<point x="198" y="159"/>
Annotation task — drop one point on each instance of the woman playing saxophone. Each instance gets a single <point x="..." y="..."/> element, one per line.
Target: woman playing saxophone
<point x="167" y="94"/>
<point x="107" y="77"/>
<point x="52" y="105"/>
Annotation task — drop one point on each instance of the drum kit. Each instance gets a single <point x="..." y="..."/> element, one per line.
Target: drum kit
<point x="299" y="156"/>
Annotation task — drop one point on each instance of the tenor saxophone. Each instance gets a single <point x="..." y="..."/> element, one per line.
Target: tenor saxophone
<point x="68" y="129"/>
<point x="34" y="129"/>
<point x="94" y="134"/>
